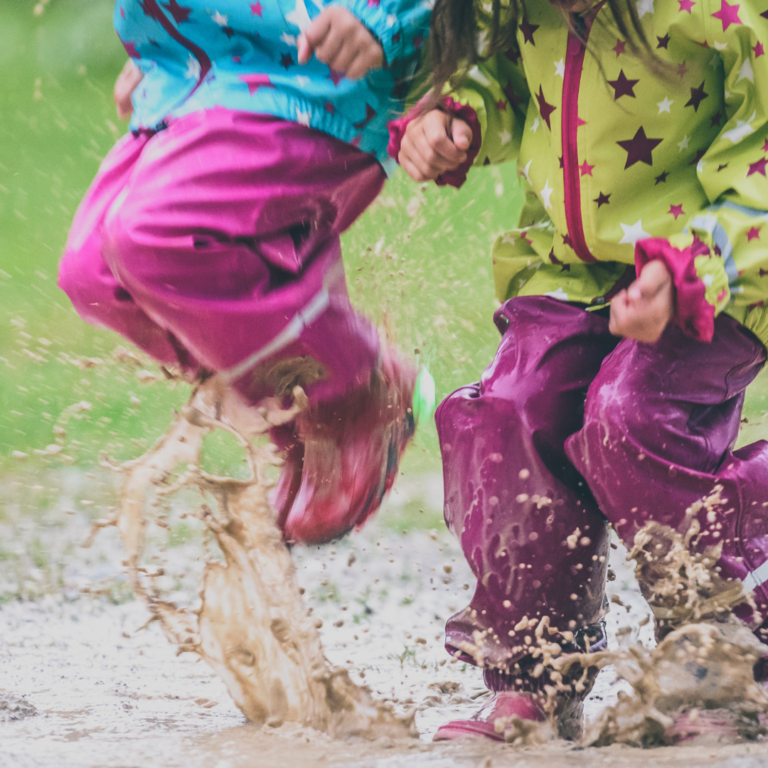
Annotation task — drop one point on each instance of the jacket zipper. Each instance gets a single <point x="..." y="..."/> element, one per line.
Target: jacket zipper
<point x="574" y="64"/>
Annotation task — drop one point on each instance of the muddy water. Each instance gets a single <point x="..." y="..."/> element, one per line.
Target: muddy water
<point x="82" y="684"/>
<point x="107" y="694"/>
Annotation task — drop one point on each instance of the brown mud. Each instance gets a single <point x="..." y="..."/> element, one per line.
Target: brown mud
<point x="251" y="625"/>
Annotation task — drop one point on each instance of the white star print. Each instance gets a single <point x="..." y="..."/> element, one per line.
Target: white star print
<point x="193" y="68"/>
<point x="721" y="46"/>
<point x="481" y="41"/>
<point x="526" y="170"/>
<point x="546" y="195"/>
<point x="633" y="233"/>
<point x="560" y="68"/>
<point x="665" y="105"/>
<point x="288" y="39"/>
<point x="299" y="16"/>
<point x="746" y="72"/>
<point x="508" y="239"/>
<point x="643" y="7"/>
<point x="505" y="137"/>
<point x="391" y="20"/>
<point x="558" y="294"/>
<point x="478" y="76"/>
<point x="741" y="131"/>
<point x="684" y="143"/>
<point x="302" y="81"/>
<point x="535" y="126"/>
<point x="302" y="118"/>
<point x="708" y="280"/>
<point x="700" y="166"/>
<point x="220" y="19"/>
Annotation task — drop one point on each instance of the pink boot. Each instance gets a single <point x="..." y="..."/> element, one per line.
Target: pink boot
<point x="351" y="453"/>
<point x="502" y="705"/>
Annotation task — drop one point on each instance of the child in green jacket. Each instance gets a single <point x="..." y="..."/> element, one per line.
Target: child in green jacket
<point x="633" y="313"/>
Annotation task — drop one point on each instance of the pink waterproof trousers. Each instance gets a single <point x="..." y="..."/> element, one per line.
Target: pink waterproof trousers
<point x="570" y="429"/>
<point x="215" y="244"/>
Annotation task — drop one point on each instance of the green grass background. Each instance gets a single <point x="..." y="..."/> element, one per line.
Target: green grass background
<point x="418" y="261"/>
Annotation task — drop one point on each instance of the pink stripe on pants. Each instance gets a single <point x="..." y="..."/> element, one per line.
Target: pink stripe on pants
<point x="215" y="243"/>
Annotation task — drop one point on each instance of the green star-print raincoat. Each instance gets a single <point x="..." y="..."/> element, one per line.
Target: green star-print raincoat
<point x="621" y="166"/>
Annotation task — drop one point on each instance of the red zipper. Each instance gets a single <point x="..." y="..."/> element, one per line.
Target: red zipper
<point x="574" y="64"/>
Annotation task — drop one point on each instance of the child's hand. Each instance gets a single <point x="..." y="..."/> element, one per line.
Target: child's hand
<point x="643" y="310"/>
<point x="340" y="40"/>
<point x="434" y="143"/>
<point x="126" y="84"/>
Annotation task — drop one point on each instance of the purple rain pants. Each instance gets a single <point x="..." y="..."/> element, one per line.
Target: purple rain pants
<point x="570" y="429"/>
<point x="215" y="244"/>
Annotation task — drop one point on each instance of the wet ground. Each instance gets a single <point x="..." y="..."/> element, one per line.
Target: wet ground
<point x="83" y="684"/>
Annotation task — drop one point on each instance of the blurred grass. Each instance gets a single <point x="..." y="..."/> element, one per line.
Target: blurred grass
<point x="418" y="261"/>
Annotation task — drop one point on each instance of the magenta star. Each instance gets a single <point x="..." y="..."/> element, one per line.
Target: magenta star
<point x="254" y="82"/>
<point x="335" y="77"/>
<point x="639" y="148"/>
<point x="758" y="167"/>
<point x="681" y="70"/>
<point x="765" y="146"/>
<point x="686" y="5"/>
<point x="620" y="47"/>
<point x="753" y="234"/>
<point x="622" y="86"/>
<point x="675" y="210"/>
<point x="501" y="105"/>
<point x="697" y="96"/>
<point x="545" y="109"/>
<point x="528" y="29"/>
<point x="256" y="9"/>
<point x="728" y="14"/>
<point x="179" y="12"/>
<point x="586" y="169"/>
<point x="602" y="199"/>
<point x="329" y="108"/>
<point x="758" y="50"/>
<point x="130" y="49"/>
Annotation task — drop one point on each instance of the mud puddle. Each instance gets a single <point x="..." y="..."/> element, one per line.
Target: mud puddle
<point x="106" y="694"/>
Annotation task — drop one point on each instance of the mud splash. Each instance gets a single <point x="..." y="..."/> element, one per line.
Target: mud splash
<point x="251" y="625"/>
<point x="699" y="680"/>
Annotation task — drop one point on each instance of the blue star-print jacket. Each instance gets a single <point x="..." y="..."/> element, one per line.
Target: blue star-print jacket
<point x="241" y="55"/>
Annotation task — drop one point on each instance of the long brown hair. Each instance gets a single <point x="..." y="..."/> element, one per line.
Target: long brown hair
<point x="455" y="25"/>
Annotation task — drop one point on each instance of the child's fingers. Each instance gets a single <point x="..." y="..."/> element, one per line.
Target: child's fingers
<point x="440" y="146"/>
<point x="461" y="134"/>
<point x="316" y="33"/>
<point x="305" y="49"/>
<point x="653" y="277"/>
<point x="370" y="58"/>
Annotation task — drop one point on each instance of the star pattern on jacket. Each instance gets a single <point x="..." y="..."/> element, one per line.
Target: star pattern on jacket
<point x="545" y="109"/>
<point x="728" y="14"/>
<point x="697" y="96"/>
<point x="528" y="30"/>
<point x="622" y="86"/>
<point x="179" y="12"/>
<point x="639" y="148"/>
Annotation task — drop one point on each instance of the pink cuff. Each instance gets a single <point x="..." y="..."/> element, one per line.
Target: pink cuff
<point x="693" y="313"/>
<point x="457" y="176"/>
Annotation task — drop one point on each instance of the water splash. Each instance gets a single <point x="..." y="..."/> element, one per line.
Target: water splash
<point x="251" y="625"/>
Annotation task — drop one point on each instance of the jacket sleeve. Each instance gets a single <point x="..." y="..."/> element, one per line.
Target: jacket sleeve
<point x="400" y="26"/>
<point x="721" y="261"/>
<point x="493" y="100"/>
